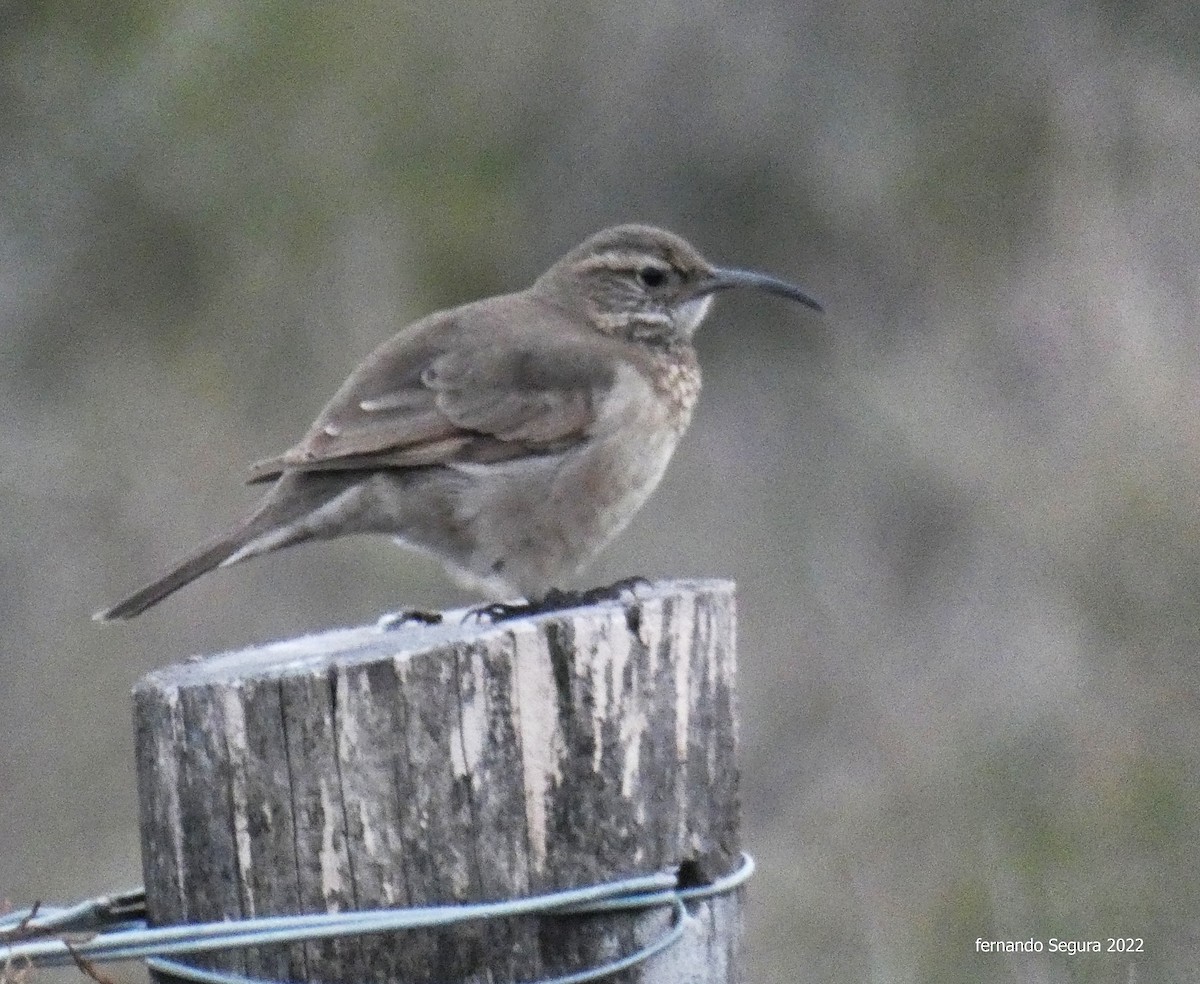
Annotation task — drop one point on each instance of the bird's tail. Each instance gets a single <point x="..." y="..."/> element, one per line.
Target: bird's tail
<point x="210" y="556"/>
<point x="295" y="510"/>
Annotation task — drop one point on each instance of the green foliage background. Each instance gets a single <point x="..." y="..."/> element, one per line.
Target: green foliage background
<point x="962" y="510"/>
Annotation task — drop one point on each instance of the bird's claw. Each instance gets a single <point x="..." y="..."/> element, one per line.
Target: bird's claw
<point x="555" y="600"/>
<point x="409" y="616"/>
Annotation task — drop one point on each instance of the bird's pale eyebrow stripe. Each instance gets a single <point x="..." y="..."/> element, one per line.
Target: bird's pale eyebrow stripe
<point x="619" y="259"/>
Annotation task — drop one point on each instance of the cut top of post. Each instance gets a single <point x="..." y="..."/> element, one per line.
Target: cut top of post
<point x="347" y="647"/>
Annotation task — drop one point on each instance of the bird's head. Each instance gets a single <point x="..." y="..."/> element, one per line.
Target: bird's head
<point x="646" y="284"/>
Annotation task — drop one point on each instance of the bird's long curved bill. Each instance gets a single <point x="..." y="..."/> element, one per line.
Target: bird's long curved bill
<point x="726" y="279"/>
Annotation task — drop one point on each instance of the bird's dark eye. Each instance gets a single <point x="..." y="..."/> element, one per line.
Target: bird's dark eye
<point x="652" y="276"/>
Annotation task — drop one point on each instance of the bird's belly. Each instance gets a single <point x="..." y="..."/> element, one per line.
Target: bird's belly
<point x="608" y="485"/>
<point x="535" y="526"/>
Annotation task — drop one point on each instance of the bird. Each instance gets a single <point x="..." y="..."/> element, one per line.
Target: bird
<point x="510" y="438"/>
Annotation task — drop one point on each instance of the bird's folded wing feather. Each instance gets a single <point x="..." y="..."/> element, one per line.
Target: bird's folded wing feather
<point x="463" y="404"/>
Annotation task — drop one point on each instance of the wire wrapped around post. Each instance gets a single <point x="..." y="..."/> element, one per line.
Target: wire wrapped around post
<point x="117" y="930"/>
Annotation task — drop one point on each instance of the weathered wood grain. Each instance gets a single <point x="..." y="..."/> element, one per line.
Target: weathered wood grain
<point x="463" y="762"/>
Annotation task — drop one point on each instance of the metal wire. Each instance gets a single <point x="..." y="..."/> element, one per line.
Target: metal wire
<point x="118" y="922"/>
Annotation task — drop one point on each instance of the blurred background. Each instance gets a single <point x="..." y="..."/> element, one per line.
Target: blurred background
<point x="961" y="509"/>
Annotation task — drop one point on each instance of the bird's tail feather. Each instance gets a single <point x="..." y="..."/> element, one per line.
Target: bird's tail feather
<point x="291" y="512"/>
<point x="185" y="572"/>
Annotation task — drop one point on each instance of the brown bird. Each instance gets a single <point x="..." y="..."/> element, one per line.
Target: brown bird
<point x="510" y="438"/>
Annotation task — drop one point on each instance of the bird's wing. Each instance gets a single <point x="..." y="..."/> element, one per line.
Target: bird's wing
<point x="439" y="394"/>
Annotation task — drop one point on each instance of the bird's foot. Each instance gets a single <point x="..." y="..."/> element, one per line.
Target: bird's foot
<point x="503" y="611"/>
<point x="617" y="590"/>
<point x="409" y="616"/>
<point x="555" y="600"/>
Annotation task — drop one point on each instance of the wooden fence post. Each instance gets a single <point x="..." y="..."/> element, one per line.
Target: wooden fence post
<point x="366" y="768"/>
